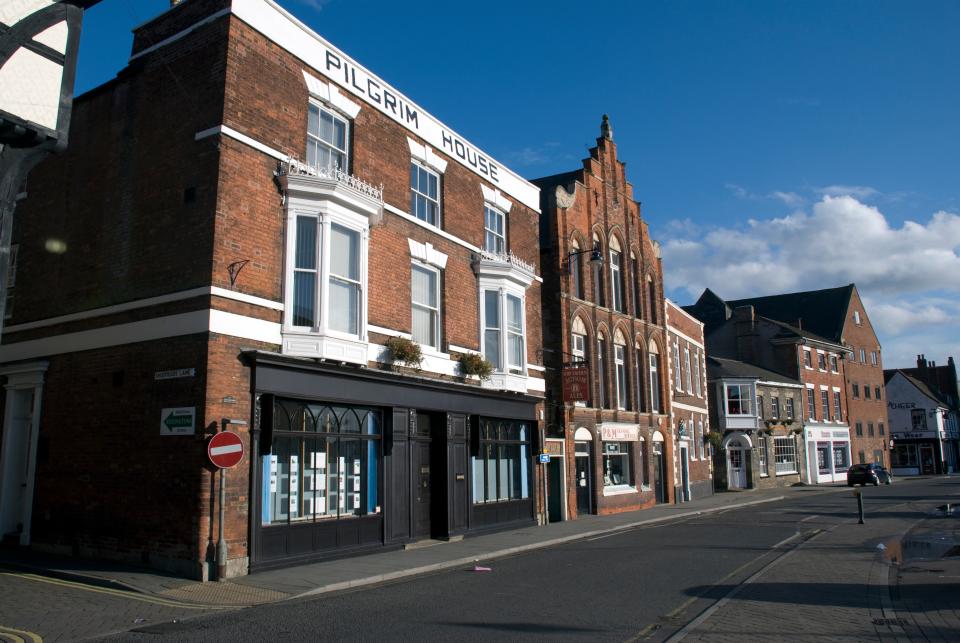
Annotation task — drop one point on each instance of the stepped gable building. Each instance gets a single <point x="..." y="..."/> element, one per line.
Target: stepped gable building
<point x="605" y="344"/>
<point x="838" y="314"/>
<point x="924" y="408"/>
<point x="740" y="334"/>
<point x="260" y="243"/>
<point x="759" y="414"/>
<point x="689" y="406"/>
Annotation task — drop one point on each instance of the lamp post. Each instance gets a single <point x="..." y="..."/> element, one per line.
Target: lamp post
<point x="38" y="60"/>
<point x="596" y="257"/>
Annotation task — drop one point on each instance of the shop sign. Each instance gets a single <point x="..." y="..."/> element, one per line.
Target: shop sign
<point x="619" y="433"/>
<point x="576" y="383"/>
<point x="178" y="421"/>
<point x="174" y="374"/>
<point x="914" y="435"/>
<point x="552" y="447"/>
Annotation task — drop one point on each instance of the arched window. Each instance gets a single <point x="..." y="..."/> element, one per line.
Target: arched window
<point x="654" y="378"/>
<point x="603" y="394"/>
<point x="635" y="280"/>
<point x="616" y="275"/>
<point x="576" y="270"/>
<point x="652" y="297"/>
<point x="598" y="293"/>
<point x="579" y="348"/>
<point x="638" y="376"/>
<point x="620" y="369"/>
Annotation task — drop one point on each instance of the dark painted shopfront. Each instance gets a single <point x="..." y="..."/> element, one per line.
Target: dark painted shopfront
<point x="351" y="460"/>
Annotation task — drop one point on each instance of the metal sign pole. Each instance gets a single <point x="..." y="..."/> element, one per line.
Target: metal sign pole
<point x="221" y="543"/>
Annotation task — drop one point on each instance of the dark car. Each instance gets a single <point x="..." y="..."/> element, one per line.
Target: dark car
<point x="870" y="473"/>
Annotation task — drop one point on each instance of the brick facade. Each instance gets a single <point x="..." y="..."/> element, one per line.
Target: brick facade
<point x="587" y="209"/>
<point x="174" y="216"/>
<point x="689" y="405"/>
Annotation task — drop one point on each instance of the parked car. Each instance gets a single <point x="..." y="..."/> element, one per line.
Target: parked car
<point x="870" y="473"/>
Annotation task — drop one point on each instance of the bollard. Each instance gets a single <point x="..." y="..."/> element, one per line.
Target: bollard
<point x="860" y="506"/>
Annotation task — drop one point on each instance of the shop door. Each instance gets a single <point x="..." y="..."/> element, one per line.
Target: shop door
<point x="420" y="475"/>
<point x="555" y="489"/>
<point x="584" y="478"/>
<point x="824" y="462"/>
<point x="659" y="484"/>
<point x="15" y="468"/>
<point x="927" y="466"/>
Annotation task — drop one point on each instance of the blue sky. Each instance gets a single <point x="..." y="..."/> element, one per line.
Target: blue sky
<point x="775" y="146"/>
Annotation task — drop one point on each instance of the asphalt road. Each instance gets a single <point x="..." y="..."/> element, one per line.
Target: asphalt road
<point x="644" y="583"/>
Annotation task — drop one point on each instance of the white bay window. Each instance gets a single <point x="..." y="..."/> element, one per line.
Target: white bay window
<point x="503" y="331"/>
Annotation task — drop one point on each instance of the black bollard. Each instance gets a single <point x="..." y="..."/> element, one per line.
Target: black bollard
<point x="860" y="506"/>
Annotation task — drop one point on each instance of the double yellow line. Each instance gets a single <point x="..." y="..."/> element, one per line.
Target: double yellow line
<point x="114" y="592"/>
<point x="18" y="636"/>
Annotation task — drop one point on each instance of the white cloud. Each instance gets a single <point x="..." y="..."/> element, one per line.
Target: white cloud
<point x="857" y="191"/>
<point x="910" y="274"/>
<point x="789" y="198"/>
<point x="315" y="4"/>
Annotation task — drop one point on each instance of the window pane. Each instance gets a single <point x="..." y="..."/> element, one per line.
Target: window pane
<point x="344" y="252"/>
<point x="424" y="326"/>
<point x="306" y="243"/>
<point x="344" y="306"/>
<point x="424" y="286"/>
<point x="304" y="298"/>
<point x="478" y="480"/>
<point x="313" y="120"/>
<point x="504" y="466"/>
<point x="491" y="471"/>
<point x="350" y="477"/>
<point x="491" y="347"/>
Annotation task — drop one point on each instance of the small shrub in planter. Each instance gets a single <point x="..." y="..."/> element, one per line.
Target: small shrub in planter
<point x="404" y="351"/>
<point x="473" y="364"/>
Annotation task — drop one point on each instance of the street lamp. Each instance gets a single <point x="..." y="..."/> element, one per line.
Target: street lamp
<point x="38" y="60"/>
<point x="596" y="257"/>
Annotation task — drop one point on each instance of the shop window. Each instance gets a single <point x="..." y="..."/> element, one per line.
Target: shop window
<point x="425" y="303"/>
<point x="501" y="468"/>
<point x="841" y="456"/>
<point x="785" y="455"/>
<point x="323" y="463"/>
<point x="904" y="455"/>
<point x="503" y="331"/>
<point x="326" y="139"/>
<point x="738" y="399"/>
<point x="616" y="464"/>
<point x="424" y="194"/>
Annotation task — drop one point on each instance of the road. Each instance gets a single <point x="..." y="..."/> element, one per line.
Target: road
<point x="647" y="583"/>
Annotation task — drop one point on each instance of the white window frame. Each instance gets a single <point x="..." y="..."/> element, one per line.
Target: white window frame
<point x="750" y="397"/>
<point x="789" y="407"/>
<point x="620" y="369"/>
<point x="687" y="376"/>
<point x="696" y="373"/>
<point x="416" y="194"/>
<point x="433" y="311"/>
<point x="499" y="238"/>
<point x="856" y="317"/>
<point x="314" y="140"/>
<point x="837" y="407"/>
<point x="785" y="455"/>
<point x="825" y="403"/>
<point x="807" y="358"/>
<point x="578" y="349"/>
<point x="774" y="407"/>
<point x="677" y="377"/>
<point x="503" y="293"/>
<point x="656" y="403"/>
<point x="616" y="279"/>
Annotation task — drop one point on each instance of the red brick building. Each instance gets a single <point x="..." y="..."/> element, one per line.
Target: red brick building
<point x="603" y="316"/>
<point x="239" y="245"/>
<point x="689" y="404"/>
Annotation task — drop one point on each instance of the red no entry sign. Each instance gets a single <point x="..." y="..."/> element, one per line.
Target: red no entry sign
<point x="225" y="449"/>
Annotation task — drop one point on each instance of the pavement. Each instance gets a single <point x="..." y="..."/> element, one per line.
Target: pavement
<point x="832" y="582"/>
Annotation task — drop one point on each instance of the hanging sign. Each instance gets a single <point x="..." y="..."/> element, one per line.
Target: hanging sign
<point x="576" y="383"/>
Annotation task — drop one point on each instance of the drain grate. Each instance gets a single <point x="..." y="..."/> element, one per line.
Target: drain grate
<point x="902" y="622"/>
